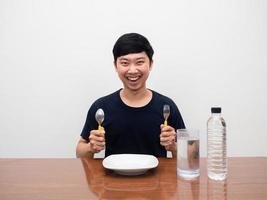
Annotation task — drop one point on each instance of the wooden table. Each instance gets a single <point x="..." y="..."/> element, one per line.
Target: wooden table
<point x="78" y="179"/>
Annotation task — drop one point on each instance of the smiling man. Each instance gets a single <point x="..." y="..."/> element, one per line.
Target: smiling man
<point x="133" y="114"/>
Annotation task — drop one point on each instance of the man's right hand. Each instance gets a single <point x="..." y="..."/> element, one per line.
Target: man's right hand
<point x="97" y="140"/>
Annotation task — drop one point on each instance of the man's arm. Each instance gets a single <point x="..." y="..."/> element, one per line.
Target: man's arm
<point x="96" y="144"/>
<point x="84" y="149"/>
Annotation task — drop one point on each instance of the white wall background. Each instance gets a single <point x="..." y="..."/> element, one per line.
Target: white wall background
<point x="55" y="60"/>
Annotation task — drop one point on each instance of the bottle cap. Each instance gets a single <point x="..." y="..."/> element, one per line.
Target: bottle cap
<point x="216" y="110"/>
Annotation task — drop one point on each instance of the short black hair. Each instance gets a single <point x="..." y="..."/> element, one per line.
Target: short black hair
<point x="132" y="43"/>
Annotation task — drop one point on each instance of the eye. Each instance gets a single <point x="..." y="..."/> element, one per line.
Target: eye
<point x="140" y="62"/>
<point x="124" y="63"/>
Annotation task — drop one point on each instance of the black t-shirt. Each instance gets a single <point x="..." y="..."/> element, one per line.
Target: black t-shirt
<point x="132" y="130"/>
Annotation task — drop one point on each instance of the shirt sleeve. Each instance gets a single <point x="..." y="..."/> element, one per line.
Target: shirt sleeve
<point x="176" y="118"/>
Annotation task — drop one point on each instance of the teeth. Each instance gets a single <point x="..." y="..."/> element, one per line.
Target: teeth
<point x="132" y="78"/>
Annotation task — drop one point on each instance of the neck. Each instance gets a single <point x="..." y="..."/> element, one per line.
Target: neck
<point x="136" y="98"/>
<point x="130" y="94"/>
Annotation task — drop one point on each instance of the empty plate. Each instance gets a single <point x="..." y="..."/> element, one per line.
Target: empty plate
<point x="130" y="164"/>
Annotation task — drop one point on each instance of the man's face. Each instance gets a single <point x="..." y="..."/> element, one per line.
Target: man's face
<point x="133" y="70"/>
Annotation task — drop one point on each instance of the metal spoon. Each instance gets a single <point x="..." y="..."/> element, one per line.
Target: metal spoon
<point x="166" y="114"/>
<point x="99" y="116"/>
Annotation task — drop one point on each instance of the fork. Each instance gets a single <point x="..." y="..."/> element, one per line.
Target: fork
<point x="166" y="114"/>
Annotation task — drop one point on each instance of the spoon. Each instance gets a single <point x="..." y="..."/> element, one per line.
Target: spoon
<point x="99" y="116"/>
<point x="166" y="114"/>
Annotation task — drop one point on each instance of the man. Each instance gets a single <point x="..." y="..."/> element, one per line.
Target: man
<point x="134" y="114"/>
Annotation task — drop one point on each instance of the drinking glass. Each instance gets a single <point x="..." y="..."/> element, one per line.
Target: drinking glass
<point x="188" y="153"/>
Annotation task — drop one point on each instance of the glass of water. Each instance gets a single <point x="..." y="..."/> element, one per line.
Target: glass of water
<point x="188" y="153"/>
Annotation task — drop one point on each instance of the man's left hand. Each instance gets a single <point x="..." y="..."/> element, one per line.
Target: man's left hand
<point x="168" y="137"/>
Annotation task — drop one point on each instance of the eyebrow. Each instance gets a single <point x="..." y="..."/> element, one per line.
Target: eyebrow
<point x="139" y="58"/>
<point x="123" y="59"/>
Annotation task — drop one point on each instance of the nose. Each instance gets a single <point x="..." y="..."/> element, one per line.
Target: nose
<point x="132" y="68"/>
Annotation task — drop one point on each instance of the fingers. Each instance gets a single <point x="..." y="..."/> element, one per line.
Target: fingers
<point x="167" y="128"/>
<point x="167" y="136"/>
<point x="165" y="141"/>
<point x="97" y="133"/>
<point x="97" y="140"/>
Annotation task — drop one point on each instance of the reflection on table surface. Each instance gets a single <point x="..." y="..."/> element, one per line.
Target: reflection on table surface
<point x="109" y="185"/>
<point x="162" y="182"/>
<point x="87" y="179"/>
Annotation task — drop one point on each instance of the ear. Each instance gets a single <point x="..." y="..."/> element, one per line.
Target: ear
<point x="115" y="65"/>
<point x="151" y="65"/>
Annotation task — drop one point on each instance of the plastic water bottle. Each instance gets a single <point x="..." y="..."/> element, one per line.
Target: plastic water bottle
<point x="217" y="157"/>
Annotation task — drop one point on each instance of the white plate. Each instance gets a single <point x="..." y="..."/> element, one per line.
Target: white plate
<point x="130" y="164"/>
